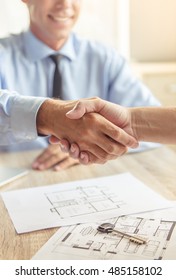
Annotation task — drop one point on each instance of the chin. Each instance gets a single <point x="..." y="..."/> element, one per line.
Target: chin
<point x="62" y="36"/>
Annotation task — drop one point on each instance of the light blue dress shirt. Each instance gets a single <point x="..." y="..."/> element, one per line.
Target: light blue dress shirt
<point x="18" y="117"/>
<point x="88" y="69"/>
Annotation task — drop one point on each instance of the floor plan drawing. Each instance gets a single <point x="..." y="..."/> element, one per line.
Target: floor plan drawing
<point x="81" y="201"/>
<point x="85" y="242"/>
<point x="94" y="198"/>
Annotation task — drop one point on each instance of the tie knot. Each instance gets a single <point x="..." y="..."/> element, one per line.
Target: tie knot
<point x="55" y="58"/>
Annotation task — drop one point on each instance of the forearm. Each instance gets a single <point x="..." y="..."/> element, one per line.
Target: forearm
<point x="154" y="124"/>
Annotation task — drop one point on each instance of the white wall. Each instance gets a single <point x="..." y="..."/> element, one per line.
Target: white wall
<point x="13" y="16"/>
<point x="153" y="30"/>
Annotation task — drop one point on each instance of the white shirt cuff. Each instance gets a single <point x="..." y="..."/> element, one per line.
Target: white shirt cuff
<point x="23" y="117"/>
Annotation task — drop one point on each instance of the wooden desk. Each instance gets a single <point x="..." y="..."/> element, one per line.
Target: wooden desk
<point x="156" y="168"/>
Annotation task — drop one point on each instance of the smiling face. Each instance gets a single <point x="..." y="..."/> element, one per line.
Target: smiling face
<point x="51" y="21"/>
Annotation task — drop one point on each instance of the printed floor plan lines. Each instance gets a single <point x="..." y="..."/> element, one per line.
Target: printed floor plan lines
<point x="85" y="242"/>
<point x="81" y="201"/>
<point x="93" y="198"/>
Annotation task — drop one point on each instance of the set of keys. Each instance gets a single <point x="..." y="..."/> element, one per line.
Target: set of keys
<point x="110" y="228"/>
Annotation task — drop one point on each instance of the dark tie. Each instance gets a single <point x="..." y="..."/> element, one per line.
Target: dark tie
<point x="57" y="79"/>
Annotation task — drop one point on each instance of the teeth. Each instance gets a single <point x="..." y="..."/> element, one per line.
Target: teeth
<point x="60" y="18"/>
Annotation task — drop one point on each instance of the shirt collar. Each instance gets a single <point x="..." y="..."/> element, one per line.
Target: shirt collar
<point x="37" y="50"/>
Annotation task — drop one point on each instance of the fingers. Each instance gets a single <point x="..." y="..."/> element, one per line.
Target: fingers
<point x="105" y="150"/>
<point x="48" y="158"/>
<point x="120" y="136"/>
<point x="66" y="163"/>
<point x="89" y="158"/>
<point x="86" y="157"/>
<point x="64" y="145"/>
<point x="106" y="146"/>
<point x="72" y="149"/>
<point x="52" y="157"/>
<point x="104" y="141"/>
<point x="54" y="140"/>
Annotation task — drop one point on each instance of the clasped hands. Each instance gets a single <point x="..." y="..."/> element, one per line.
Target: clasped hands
<point x="94" y="130"/>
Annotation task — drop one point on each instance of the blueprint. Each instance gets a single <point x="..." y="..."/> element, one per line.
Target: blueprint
<point x="79" y="202"/>
<point x="85" y="242"/>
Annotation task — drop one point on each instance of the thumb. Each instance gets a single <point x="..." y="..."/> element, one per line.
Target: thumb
<point x="77" y="112"/>
<point x="85" y="106"/>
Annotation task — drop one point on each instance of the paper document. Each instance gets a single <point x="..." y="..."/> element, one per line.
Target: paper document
<point x="79" y="202"/>
<point x="8" y="174"/>
<point x="85" y="242"/>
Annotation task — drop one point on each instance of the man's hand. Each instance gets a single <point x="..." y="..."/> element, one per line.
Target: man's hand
<point x="116" y="114"/>
<point x="53" y="157"/>
<point x="94" y="134"/>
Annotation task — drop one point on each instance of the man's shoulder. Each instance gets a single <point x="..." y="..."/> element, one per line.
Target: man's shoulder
<point x="93" y="47"/>
<point x="11" y="41"/>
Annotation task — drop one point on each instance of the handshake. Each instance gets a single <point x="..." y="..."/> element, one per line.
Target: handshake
<point x="95" y="131"/>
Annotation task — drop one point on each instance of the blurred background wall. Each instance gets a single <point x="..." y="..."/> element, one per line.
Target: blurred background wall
<point x="144" y="31"/>
<point x="153" y="30"/>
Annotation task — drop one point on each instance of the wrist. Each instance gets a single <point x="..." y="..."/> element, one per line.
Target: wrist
<point x="44" y="120"/>
<point x="51" y="117"/>
<point x="135" y="122"/>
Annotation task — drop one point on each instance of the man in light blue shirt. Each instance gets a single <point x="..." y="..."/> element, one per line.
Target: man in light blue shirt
<point x="88" y="68"/>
